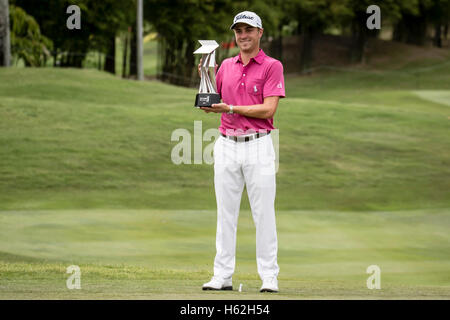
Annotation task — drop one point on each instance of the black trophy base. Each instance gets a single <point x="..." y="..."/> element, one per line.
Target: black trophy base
<point x="206" y="99"/>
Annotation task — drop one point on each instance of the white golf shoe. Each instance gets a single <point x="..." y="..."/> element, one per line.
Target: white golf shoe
<point x="218" y="283"/>
<point x="270" y="284"/>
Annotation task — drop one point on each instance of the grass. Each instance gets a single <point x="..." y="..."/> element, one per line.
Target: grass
<point x="66" y="146"/>
<point x="159" y="254"/>
<point x="86" y="178"/>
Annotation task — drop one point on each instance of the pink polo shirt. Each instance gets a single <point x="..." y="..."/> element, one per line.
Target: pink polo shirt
<point x="248" y="85"/>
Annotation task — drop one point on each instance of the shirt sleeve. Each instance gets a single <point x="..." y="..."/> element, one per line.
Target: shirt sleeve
<point x="274" y="84"/>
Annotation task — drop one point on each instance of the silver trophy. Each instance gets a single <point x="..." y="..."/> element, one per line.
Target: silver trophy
<point x="207" y="93"/>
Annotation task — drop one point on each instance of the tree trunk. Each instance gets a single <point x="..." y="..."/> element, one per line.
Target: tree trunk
<point x="78" y="59"/>
<point x="63" y="59"/>
<point x="99" y="64"/>
<point x="167" y="60"/>
<point x="161" y="57"/>
<point x="400" y="31"/>
<point x="125" y="55"/>
<point x="437" y="40"/>
<point x="359" y="38"/>
<point x="417" y="30"/>
<point x="72" y="59"/>
<point x="133" y="52"/>
<point x="5" y="41"/>
<point x="110" y="59"/>
<point x="307" y="49"/>
<point x="55" y="57"/>
<point x="69" y="62"/>
<point x="190" y="63"/>
<point x="179" y="66"/>
<point x="411" y="29"/>
<point x="277" y="44"/>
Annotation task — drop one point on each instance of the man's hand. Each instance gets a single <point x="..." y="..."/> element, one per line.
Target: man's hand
<point x="265" y="110"/>
<point x="216" y="108"/>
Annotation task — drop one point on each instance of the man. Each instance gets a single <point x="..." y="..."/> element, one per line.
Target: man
<point x="250" y="86"/>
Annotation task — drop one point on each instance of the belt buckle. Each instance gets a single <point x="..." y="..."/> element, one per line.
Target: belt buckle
<point x="246" y="138"/>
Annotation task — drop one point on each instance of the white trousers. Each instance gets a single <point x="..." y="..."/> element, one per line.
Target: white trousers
<point x="251" y="163"/>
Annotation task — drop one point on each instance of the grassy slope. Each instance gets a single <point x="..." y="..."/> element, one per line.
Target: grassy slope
<point x="349" y="142"/>
<point x="83" y="139"/>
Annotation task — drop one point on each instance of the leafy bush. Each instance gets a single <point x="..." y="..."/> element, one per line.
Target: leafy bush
<point x="27" y="42"/>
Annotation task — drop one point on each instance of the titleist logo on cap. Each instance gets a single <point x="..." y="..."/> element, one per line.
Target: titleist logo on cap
<point x="247" y="17"/>
<point x="243" y="16"/>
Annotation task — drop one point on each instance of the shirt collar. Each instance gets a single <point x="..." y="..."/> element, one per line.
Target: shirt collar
<point x="258" y="59"/>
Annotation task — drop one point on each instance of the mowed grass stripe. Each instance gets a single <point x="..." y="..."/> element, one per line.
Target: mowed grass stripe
<point x="154" y="254"/>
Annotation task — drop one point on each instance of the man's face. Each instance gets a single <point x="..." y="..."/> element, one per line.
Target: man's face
<point x="247" y="37"/>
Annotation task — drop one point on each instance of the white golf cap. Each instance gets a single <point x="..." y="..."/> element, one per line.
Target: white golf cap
<point x="249" y="18"/>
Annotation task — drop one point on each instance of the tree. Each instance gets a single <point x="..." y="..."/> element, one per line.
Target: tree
<point x="440" y="17"/>
<point x="125" y="53"/>
<point x="69" y="46"/>
<point x="133" y="49"/>
<point x="412" y="23"/>
<point x="5" y="43"/>
<point x="27" y="42"/>
<point x="360" y="34"/>
<point x="100" y="22"/>
<point x="416" y="16"/>
<point x="115" y="16"/>
<point x="359" y="31"/>
<point x="313" y="17"/>
<point x="179" y="25"/>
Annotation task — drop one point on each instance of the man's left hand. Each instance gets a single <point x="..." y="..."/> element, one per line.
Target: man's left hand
<point x="216" y="108"/>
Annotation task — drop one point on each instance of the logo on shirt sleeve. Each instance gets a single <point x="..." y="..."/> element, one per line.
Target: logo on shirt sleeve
<point x="279" y="86"/>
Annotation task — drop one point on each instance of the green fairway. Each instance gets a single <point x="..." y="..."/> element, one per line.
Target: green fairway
<point x="84" y="139"/>
<point x="153" y="254"/>
<point x="86" y="178"/>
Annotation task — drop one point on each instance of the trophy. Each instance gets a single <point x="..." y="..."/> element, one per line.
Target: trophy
<point x="207" y="93"/>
